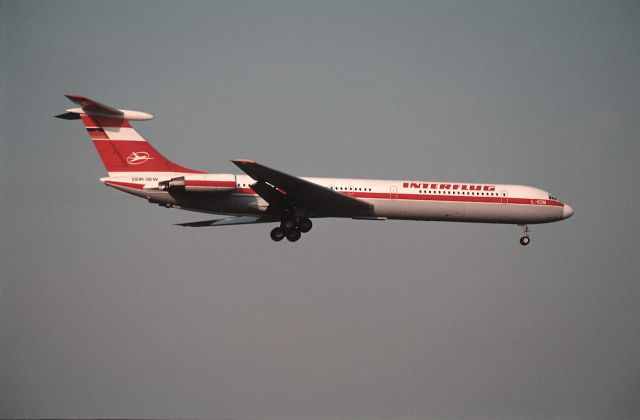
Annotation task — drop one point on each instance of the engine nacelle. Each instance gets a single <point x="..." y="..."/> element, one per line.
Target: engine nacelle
<point x="200" y="183"/>
<point x="173" y="184"/>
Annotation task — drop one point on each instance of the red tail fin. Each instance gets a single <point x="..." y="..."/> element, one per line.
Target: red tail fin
<point x="120" y="147"/>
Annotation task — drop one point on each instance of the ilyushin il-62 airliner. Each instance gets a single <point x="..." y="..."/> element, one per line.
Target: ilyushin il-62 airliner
<point x="266" y="195"/>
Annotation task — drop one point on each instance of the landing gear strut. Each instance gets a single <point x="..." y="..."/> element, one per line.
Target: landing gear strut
<point x="525" y="240"/>
<point x="288" y="223"/>
<point x="291" y="228"/>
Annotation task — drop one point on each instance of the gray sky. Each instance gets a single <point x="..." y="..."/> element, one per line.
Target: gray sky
<point x="108" y="310"/>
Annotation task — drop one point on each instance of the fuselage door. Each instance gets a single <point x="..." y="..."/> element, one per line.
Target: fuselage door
<point x="504" y="196"/>
<point x="393" y="193"/>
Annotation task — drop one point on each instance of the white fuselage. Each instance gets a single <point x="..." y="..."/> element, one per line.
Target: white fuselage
<point x="410" y="200"/>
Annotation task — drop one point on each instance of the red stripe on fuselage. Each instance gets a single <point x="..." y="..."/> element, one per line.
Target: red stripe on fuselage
<point x="438" y="197"/>
<point x="203" y="183"/>
<point x="125" y="184"/>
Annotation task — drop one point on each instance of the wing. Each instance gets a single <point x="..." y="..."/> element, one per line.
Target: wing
<point x="281" y="190"/>
<point x="239" y="220"/>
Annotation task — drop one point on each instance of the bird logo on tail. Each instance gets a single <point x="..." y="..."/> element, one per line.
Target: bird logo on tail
<point x="138" y="158"/>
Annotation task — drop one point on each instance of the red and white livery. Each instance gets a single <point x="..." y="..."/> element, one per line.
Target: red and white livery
<point x="266" y="195"/>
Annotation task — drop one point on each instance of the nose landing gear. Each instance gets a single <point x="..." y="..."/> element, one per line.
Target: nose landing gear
<point x="525" y="240"/>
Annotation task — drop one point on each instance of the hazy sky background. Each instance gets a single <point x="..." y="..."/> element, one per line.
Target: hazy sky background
<point x="109" y="310"/>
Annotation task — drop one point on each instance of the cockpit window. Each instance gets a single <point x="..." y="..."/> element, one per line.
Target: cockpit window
<point x="553" y="197"/>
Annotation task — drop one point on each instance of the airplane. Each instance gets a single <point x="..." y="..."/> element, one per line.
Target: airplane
<point x="266" y="195"/>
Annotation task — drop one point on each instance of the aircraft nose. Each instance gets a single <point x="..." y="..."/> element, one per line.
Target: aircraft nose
<point x="567" y="211"/>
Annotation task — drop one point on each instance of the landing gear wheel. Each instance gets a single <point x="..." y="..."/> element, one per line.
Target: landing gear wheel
<point x="293" y="235"/>
<point x="277" y="234"/>
<point x="288" y="223"/>
<point x="524" y="241"/>
<point x="305" y="225"/>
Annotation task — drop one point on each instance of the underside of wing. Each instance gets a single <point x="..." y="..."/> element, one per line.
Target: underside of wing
<point x="238" y="220"/>
<point x="281" y="190"/>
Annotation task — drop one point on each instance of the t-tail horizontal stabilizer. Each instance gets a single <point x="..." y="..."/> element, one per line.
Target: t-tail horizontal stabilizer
<point x="97" y="109"/>
<point x="69" y="116"/>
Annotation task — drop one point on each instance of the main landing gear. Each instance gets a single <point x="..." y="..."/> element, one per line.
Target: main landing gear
<point x="525" y="240"/>
<point x="291" y="228"/>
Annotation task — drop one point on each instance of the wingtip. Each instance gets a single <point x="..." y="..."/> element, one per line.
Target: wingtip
<point x="243" y="161"/>
<point x="73" y="97"/>
<point x="196" y="224"/>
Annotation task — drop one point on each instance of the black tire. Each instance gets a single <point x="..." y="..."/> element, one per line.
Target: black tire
<point x="524" y="241"/>
<point x="277" y="234"/>
<point x="293" y="235"/>
<point x="288" y="223"/>
<point x="305" y="225"/>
